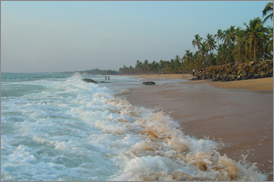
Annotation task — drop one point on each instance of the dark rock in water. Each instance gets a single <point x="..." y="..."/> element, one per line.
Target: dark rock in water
<point x="89" y="80"/>
<point x="104" y="82"/>
<point x="149" y="83"/>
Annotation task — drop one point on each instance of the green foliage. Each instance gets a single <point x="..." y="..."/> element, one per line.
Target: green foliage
<point x="254" y="43"/>
<point x="96" y="71"/>
<point x="268" y="9"/>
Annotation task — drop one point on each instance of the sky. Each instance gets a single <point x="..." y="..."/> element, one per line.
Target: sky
<point x="57" y="36"/>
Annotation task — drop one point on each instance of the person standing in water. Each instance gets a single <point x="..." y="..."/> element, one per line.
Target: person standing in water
<point x="108" y="78"/>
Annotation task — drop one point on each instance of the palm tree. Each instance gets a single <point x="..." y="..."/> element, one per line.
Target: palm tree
<point x="197" y="59"/>
<point x="138" y="66"/>
<point x="177" y="63"/>
<point x="154" y="67"/>
<point x="238" y="51"/>
<point x="146" y="66"/>
<point x="203" y="50"/>
<point x="268" y="8"/>
<point x="172" y="66"/>
<point x="229" y="38"/>
<point x="188" y="57"/>
<point x="269" y="43"/>
<point x="255" y="35"/>
<point x="219" y="36"/>
<point x="270" y="38"/>
<point x="223" y="52"/>
<point x="197" y="41"/>
<point x="167" y="67"/>
<point x="229" y="35"/>
<point x="211" y="44"/>
<point x="162" y="65"/>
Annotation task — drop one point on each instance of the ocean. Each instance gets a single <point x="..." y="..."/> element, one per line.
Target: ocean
<point x="56" y="127"/>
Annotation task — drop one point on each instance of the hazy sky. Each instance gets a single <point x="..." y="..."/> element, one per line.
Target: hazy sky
<point x="75" y="36"/>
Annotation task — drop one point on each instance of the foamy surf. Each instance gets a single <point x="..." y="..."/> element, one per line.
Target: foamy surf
<point x="165" y="153"/>
<point x="66" y="129"/>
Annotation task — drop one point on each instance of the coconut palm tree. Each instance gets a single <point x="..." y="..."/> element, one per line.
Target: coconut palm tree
<point x="154" y="67"/>
<point x="197" y="41"/>
<point x="138" y="66"/>
<point x="203" y="50"/>
<point x="188" y="57"/>
<point x="229" y="35"/>
<point x="197" y="59"/>
<point x="146" y="66"/>
<point x="219" y="36"/>
<point x="268" y="8"/>
<point x="177" y="63"/>
<point x="229" y="39"/>
<point x="239" y="50"/>
<point x="223" y="52"/>
<point x="269" y="43"/>
<point x="270" y="39"/>
<point x="162" y="65"/>
<point x="255" y="35"/>
<point x="211" y="44"/>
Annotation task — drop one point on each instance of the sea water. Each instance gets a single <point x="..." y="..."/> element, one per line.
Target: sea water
<point x="57" y="127"/>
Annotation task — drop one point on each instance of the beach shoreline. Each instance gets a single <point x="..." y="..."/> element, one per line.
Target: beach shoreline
<point x="238" y="113"/>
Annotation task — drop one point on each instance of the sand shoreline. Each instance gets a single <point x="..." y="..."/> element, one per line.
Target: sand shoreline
<point x="239" y="113"/>
<point x="250" y="84"/>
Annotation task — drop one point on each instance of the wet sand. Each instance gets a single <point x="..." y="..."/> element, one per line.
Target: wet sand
<point x="239" y="113"/>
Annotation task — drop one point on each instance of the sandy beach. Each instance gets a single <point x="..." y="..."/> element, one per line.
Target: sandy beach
<point x="238" y="113"/>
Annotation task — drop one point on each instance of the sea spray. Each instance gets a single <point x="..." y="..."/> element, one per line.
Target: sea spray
<point x="61" y="128"/>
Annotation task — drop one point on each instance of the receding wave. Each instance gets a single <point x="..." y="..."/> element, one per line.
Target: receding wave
<point x="165" y="153"/>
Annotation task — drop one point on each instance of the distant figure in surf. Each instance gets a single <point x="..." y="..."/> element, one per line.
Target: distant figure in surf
<point x="105" y="77"/>
<point x="108" y="78"/>
<point x="193" y="71"/>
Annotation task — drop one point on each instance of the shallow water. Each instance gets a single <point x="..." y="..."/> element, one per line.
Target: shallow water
<point x="57" y="127"/>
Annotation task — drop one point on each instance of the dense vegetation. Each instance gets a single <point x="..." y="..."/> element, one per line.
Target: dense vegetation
<point x="97" y="71"/>
<point x="235" y="44"/>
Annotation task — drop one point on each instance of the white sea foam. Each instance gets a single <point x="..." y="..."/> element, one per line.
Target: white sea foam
<point x="73" y="130"/>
